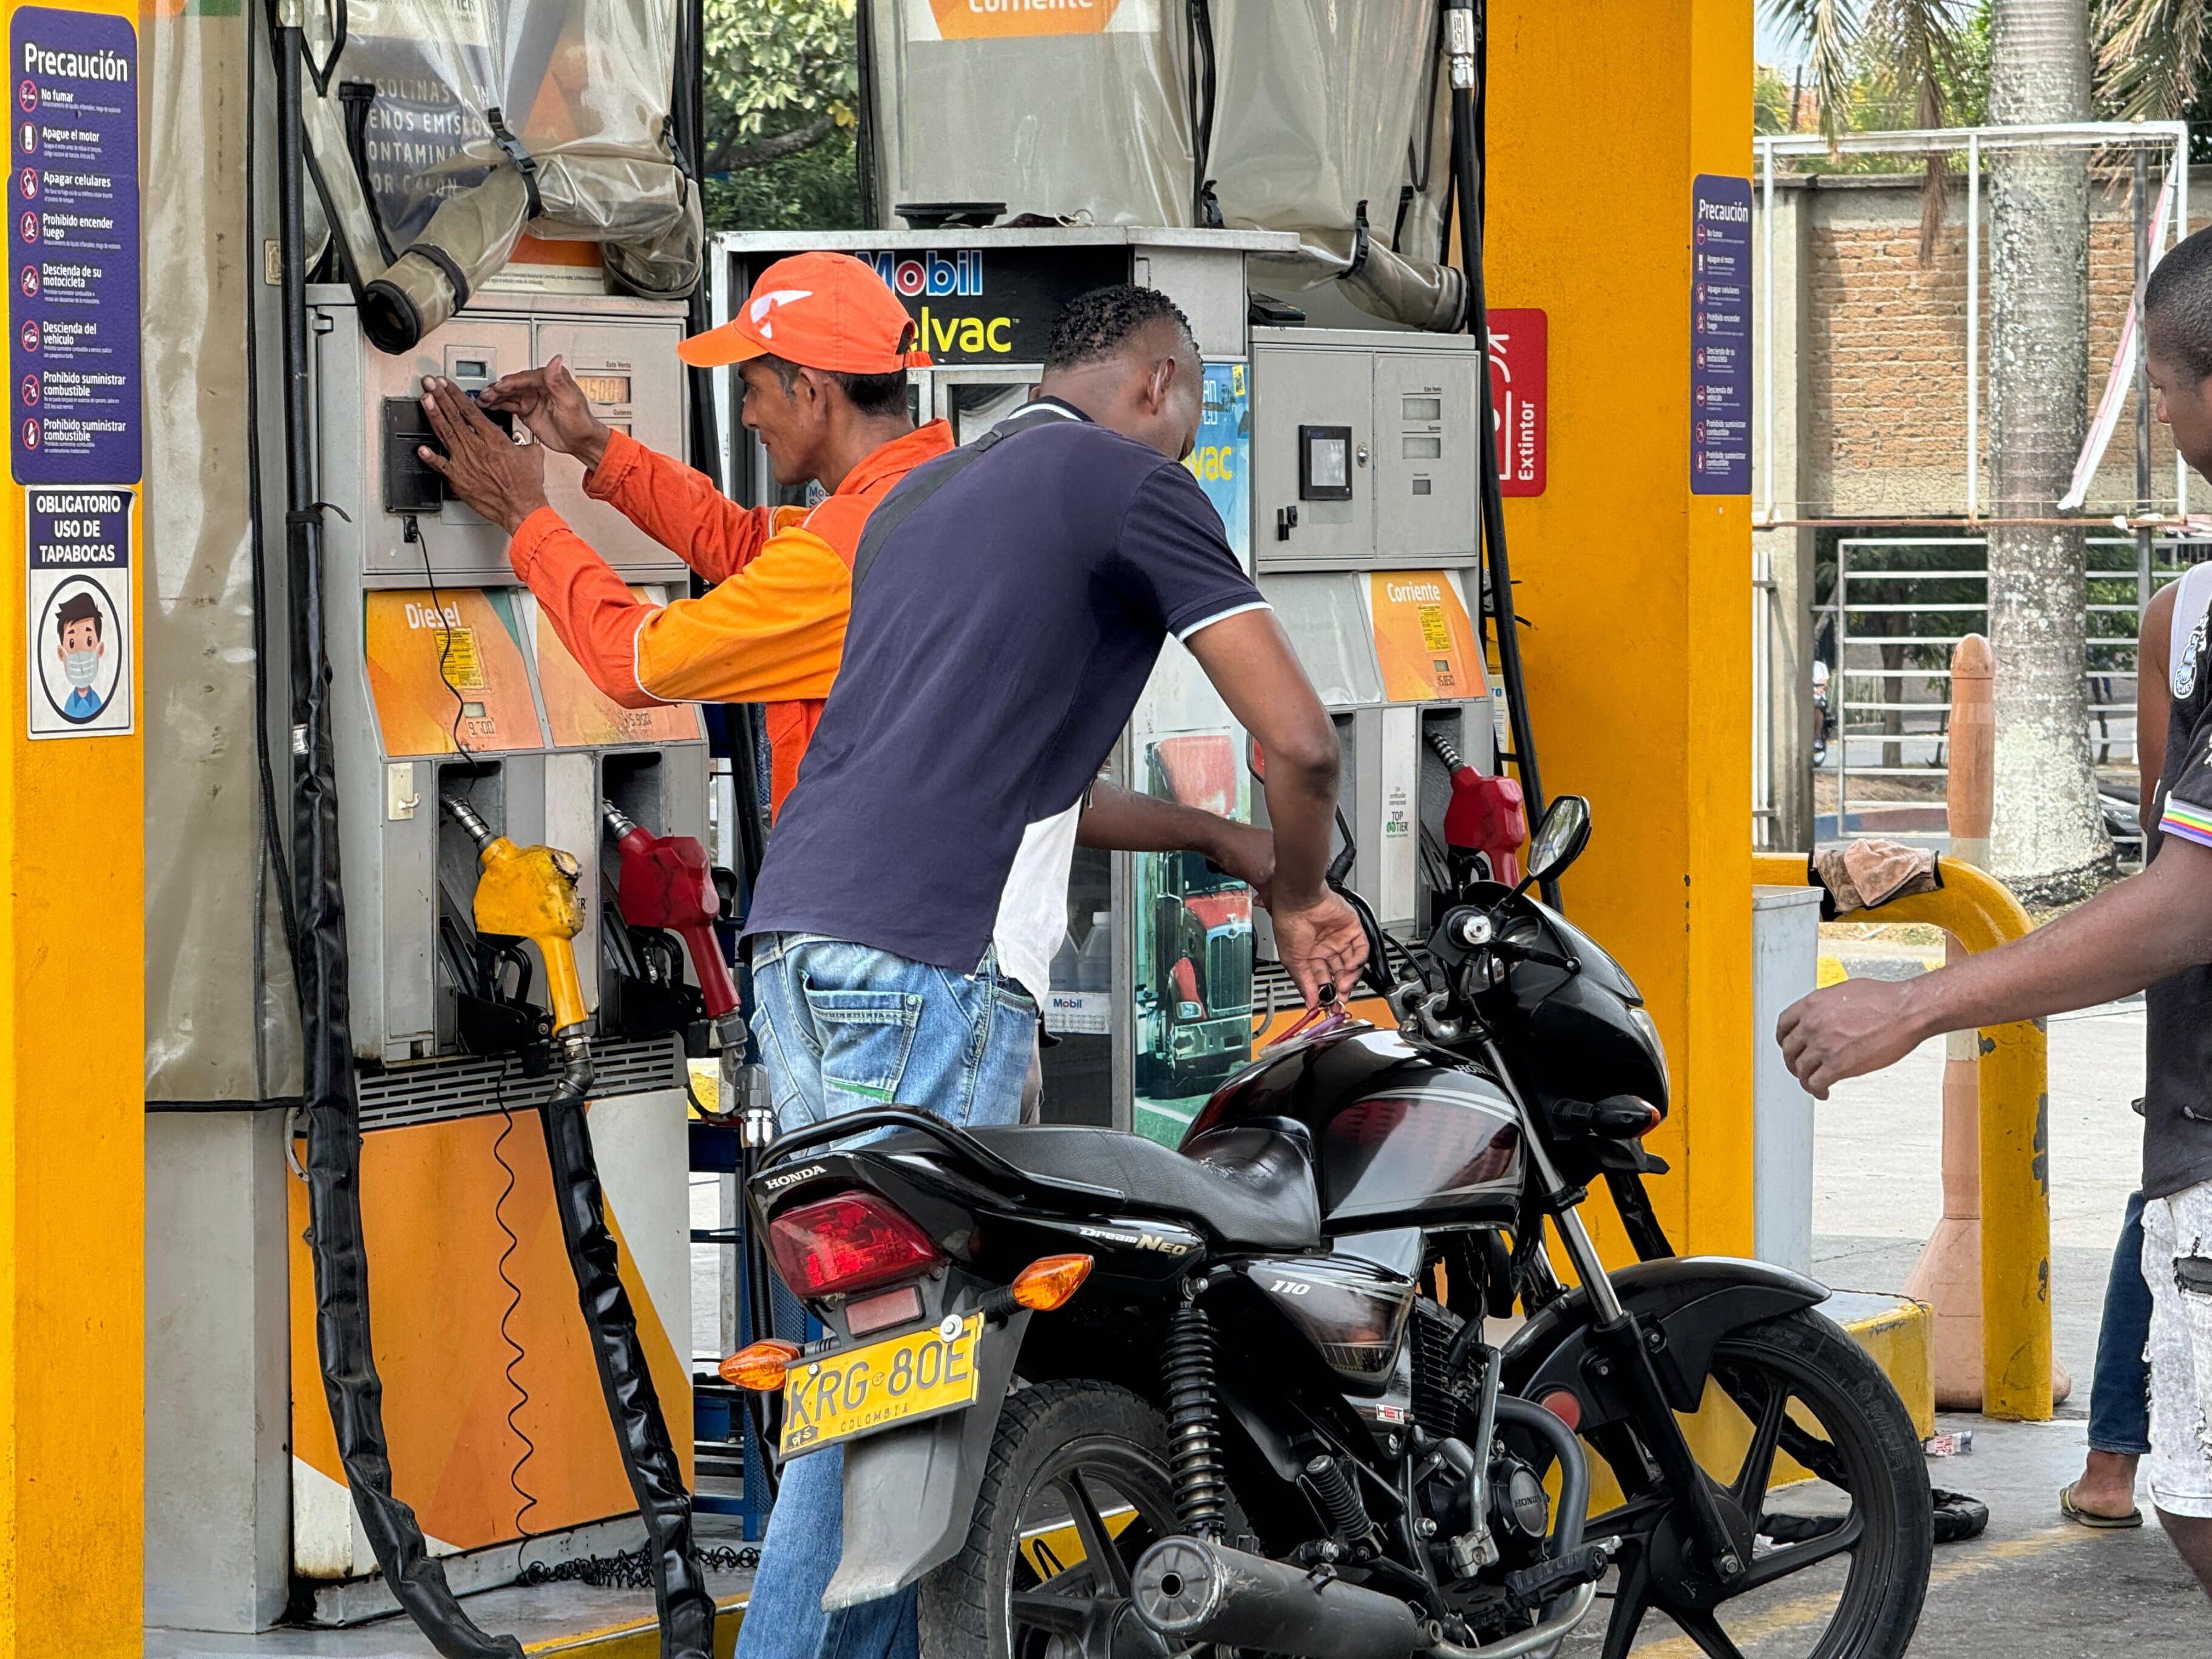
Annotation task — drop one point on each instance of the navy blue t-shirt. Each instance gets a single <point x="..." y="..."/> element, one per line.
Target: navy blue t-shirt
<point x="996" y="648"/>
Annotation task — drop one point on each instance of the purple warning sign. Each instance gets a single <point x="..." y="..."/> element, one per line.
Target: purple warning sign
<point x="73" y="248"/>
<point x="1720" y="336"/>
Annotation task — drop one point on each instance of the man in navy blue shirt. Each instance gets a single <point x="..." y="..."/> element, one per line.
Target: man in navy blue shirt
<point x="1005" y="617"/>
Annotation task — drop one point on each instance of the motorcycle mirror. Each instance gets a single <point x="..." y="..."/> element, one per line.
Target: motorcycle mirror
<point x="1559" y="841"/>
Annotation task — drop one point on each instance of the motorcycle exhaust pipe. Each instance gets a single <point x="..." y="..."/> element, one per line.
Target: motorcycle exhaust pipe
<point x="1193" y="1589"/>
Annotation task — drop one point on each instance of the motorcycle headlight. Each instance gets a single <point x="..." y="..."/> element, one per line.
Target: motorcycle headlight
<point x="1648" y="1029"/>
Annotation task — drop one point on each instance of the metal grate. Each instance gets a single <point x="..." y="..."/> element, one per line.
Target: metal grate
<point x="468" y="1086"/>
<point x="1436" y="1400"/>
<point x="1229" y="972"/>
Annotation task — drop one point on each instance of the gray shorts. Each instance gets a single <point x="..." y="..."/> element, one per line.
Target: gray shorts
<point x="2177" y="1264"/>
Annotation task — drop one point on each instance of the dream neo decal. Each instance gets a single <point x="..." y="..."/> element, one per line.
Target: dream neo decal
<point x="73" y="248"/>
<point x="77" y="603"/>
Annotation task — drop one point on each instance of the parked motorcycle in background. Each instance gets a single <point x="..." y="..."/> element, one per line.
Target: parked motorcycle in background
<point x="1104" y="1399"/>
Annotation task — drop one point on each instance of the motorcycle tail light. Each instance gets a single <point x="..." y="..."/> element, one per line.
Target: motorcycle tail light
<point x="846" y="1244"/>
<point x="759" y="1365"/>
<point x="1050" y="1281"/>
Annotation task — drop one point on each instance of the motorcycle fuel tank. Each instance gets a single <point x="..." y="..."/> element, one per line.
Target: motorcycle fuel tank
<point x="1399" y="1140"/>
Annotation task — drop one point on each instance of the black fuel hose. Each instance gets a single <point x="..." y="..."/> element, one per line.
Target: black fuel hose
<point x="1469" y="108"/>
<point x="330" y="1107"/>
<point x="656" y="1478"/>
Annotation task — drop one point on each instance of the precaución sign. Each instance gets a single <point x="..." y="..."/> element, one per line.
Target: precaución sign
<point x="73" y="248"/>
<point x="79" y="611"/>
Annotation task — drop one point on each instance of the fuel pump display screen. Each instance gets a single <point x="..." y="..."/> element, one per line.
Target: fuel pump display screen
<point x="1324" y="463"/>
<point x="604" y="388"/>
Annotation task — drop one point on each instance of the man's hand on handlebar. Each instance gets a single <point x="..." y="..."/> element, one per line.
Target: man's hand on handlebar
<point x="1320" y="944"/>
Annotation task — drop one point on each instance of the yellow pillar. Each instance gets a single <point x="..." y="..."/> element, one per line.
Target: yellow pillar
<point x="72" y="949"/>
<point x="1639" y="659"/>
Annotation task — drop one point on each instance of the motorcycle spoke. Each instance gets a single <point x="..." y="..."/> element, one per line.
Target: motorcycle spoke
<point x="1795" y="1558"/>
<point x="1109" y="1570"/>
<point x="1072" y="1616"/>
<point x="1631" y="1599"/>
<point x="1705" y="1630"/>
<point x="1749" y="1488"/>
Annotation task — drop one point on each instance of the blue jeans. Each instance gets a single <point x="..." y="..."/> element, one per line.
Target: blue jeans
<point x="842" y="1027"/>
<point x="2119" y="1396"/>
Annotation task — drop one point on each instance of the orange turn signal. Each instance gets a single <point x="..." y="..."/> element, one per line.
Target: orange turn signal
<point x="759" y="1365"/>
<point x="1050" y="1281"/>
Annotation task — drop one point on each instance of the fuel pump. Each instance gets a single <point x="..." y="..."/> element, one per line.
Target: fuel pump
<point x="530" y="893"/>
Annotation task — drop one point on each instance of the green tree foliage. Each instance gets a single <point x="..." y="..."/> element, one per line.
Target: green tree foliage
<point x="783" y="90"/>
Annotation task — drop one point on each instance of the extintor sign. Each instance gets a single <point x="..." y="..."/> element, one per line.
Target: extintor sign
<point x="1519" y="345"/>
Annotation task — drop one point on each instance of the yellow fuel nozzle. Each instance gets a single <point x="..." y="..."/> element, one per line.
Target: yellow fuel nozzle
<point x="530" y="892"/>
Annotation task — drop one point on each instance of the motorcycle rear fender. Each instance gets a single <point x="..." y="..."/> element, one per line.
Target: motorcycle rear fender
<point x="1692" y="1302"/>
<point x="911" y="1493"/>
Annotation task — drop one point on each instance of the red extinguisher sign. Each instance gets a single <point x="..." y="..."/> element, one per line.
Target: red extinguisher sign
<point x="1518" y="343"/>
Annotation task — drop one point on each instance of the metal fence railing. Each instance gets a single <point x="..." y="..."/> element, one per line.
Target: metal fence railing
<point x="1895" y="608"/>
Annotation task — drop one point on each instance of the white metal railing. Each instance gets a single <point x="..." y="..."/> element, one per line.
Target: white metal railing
<point x="2171" y="137"/>
<point x="1870" y="566"/>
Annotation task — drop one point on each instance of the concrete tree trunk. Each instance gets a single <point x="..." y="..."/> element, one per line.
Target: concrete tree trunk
<point x="2048" y="840"/>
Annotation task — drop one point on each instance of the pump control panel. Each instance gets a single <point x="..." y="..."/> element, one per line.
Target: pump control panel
<point x="623" y="356"/>
<point x="1360" y="441"/>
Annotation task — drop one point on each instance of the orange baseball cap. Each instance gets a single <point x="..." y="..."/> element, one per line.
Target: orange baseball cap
<point x="826" y="311"/>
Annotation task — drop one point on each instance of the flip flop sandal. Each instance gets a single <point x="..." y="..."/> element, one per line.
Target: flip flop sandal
<point x="2081" y="1516"/>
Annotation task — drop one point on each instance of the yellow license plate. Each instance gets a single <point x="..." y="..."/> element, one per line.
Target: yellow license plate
<point x="835" y="1397"/>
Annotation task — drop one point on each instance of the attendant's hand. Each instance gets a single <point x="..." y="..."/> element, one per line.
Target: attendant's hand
<point x="1320" y="944"/>
<point x="553" y="406"/>
<point x="503" y="480"/>
<point x="1846" y="1031"/>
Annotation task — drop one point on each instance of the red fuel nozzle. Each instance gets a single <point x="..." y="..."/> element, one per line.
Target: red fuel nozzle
<point x="1485" y="816"/>
<point x="666" y="882"/>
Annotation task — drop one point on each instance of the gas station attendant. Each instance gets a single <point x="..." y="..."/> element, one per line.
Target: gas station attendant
<point x="822" y="347"/>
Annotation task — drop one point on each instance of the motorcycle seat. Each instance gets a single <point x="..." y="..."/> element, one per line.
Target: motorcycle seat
<point x="1248" y="1186"/>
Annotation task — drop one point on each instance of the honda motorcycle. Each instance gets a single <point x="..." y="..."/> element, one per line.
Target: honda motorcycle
<point x="1102" y="1399"/>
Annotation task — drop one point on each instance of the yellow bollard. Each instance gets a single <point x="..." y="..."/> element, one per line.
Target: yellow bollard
<point x="1981" y="914"/>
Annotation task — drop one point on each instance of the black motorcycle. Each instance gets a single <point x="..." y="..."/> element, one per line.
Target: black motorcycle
<point x="1104" y="1399"/>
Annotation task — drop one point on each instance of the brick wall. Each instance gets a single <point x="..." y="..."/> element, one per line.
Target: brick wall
<point x="1882" y="359"/>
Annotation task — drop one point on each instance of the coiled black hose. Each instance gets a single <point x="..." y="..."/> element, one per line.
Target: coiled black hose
<point x="1202" y="1484"/>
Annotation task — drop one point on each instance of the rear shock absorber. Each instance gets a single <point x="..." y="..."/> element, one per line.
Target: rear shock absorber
<point x="1201" y="1485"/>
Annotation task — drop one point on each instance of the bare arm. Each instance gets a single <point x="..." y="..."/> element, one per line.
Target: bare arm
<point x="1121" y="821"/>
<point x="1249" y="661"/>
<point x="2153" y="699"/>
<point x="2133" y="934"/>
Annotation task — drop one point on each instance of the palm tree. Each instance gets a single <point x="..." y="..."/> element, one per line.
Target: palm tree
<point x="2048" y="839"/>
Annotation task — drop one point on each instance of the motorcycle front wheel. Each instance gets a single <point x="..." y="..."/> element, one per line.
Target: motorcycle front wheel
<point x="1076" y="1489"/>
<point x="1828" y="1504"/>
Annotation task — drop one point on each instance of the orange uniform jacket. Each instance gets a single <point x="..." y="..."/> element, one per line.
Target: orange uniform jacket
<point x="771" y="630"/>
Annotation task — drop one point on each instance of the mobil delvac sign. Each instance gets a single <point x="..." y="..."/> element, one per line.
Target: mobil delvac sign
<point x="992" y="305"/>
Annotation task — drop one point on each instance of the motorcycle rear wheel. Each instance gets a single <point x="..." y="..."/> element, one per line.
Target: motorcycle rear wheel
<point x="1078" y="1488"/>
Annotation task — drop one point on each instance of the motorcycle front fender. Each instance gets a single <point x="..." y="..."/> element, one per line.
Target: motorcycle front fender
<point x="909" y="1493"/>
<point x="1691" y="1301"/>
